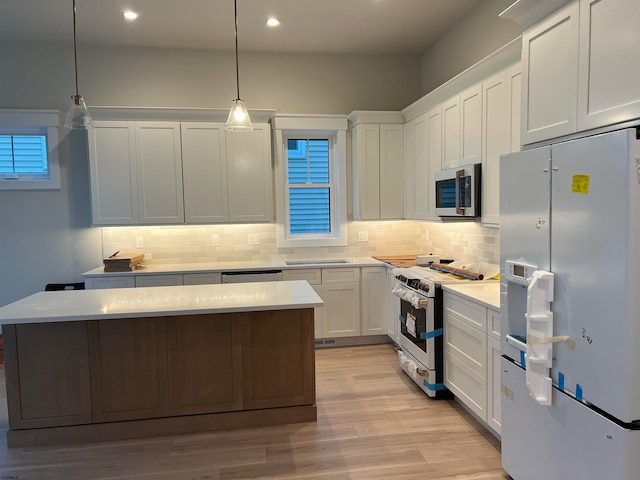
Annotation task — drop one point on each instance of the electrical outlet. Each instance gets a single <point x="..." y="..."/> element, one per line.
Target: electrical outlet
<point x="215" y="240"/>
<point x="363" y="236"/>
<point x="254" y="239"/>
<point x="139" y="242"/>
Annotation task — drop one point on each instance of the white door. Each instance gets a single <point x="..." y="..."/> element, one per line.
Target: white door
<point x="434" y="149"/>
<point x="409" y="166"/>
<point x="451" y="133"/>
<point x="421" y="169"/>
<point x="374" y="300"/>
<point x="204" y="170"/>
<point x="341" y="310"/>
<point x="609" y="91"/>
<point x="391" y="171"/>
<point x="159" y="162"/>
<point x="550" y="76"/>
<point x="471" y="125"/>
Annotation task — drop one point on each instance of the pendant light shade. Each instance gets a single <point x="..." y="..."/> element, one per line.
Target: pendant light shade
<point x="238" y="118"/>
<point x="78" y="116"/>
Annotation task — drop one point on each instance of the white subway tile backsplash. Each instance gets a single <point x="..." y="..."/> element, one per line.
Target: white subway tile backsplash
<point x="185" y="244"/>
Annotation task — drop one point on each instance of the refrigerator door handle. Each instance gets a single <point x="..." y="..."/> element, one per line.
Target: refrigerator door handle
<point x="539" y="336"/>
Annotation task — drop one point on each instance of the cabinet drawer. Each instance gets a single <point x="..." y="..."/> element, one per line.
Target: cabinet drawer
<point x="340" y="275"/>
<point x="311" y="275"/>
<point x="467" y="311"/>
<point x="202" y="278"/>
<point x="123" y="281"/>
<point x="493" y="323"/>
<point x="467" y="385"/>
<point x="466" y="343"/>
<point x="158" y="280"/>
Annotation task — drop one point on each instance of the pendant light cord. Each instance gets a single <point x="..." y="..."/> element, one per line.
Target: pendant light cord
<point x="235" y="11"/>
<point x="75" y="54"/>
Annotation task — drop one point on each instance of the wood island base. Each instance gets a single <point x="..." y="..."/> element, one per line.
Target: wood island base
<point x="98" y="380"/>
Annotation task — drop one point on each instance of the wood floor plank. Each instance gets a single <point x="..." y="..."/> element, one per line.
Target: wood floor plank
<point x="373" y="423"/>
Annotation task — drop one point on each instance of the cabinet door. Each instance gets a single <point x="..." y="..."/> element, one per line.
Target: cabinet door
<point x="514" y="96"/>
<point x="451" y="133"/>
<point x="47" y="374"/>
<point x="112" y="166"/>
<point x="409" y="165"/>
<point x="550" y="76"/>
<point x="123" y="281"/>
<point x="495" y="133"/>
<point x="374" y="300"/>
<point x="160" y="280"/>
<point x="421" y="169"/>
<point x="159" y="163"/>
<point x="249" y="175"/>
<point x="366" y="172"/>
<point x="205" y="364"/>
<point x="204" y="171"/>
<point x="391" y="171"/>
<point x="393" y="308"/>
<point x="341" y="310"/>
<point x="434" y="149"/>
<point x="494" y="413"/>
<point x="278" y="358"/>
<point x="609" y="91"/>
<point x="128" y="369"/>
<point x="471" y="125"/>
<point x="318" y="314"/>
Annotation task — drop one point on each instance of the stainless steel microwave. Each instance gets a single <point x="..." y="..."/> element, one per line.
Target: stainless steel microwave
<point x="458" y="192"/>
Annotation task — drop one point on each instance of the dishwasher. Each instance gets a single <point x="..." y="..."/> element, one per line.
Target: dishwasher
<point x="252" y="276"/>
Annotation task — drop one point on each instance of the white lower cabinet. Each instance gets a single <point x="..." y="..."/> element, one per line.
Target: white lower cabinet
<point x="160" y="280"/>
<point x="156" y="280"/>
<point x="205" y="278"/>
<point x="393" y="309"/>
<point x="472" y="356"/>
<point x="373" y="300"/>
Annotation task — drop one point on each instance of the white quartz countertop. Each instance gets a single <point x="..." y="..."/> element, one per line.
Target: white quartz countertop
<point x="116" y="303"/>
<point x="178" y="268"/>
<point x="486" y="293"/>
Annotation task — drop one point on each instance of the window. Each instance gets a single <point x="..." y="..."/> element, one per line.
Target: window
<point x="28" y="150"/>
<point x="310" y="181"/>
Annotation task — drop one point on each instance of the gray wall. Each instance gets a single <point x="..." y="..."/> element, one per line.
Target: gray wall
<point x="46" y="236"/>
<point x="479" y="34"/>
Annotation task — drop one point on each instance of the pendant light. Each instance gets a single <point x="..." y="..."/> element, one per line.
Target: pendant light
<point x="78" y="117"/>
<point x="238" y="118"/>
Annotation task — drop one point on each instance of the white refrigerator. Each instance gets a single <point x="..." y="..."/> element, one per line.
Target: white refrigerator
<point x="570" y="309"/>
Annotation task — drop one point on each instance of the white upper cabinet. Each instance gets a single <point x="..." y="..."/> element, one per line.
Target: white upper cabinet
<point x="409" y="167"/>
<point x="500" y="134"/>
<point x="421" y="168"/>
<point x="550" y="76"/>
<point x="136" y="173"/>
<point x="608" y="89"/>
<point x="451" y="133"/>
<point x="378" y="166"/>
<point x="462" y="128"/>
<point x="249" y="175"/>
<point x="159" y="171"/>
<point x="434" y="152"/>
<point x="112" y="165"/>
<point x="204" y="170"/>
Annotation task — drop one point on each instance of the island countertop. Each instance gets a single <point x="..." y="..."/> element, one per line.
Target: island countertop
<point x="104" y="304"/>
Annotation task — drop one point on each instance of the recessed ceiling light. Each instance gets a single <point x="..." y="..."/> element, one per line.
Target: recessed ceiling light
<point x="129" y="15"/>
<point x="273" y="22"/>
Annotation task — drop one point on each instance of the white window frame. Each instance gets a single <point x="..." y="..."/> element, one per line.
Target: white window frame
<point x="33" y="122"/>
<point x="303" y="126"/>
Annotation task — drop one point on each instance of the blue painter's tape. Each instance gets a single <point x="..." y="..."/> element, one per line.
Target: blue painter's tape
<point x="401" y="318"/>
<point x="433" y="333"/>
<point x="578" y="392"/>
<point x="561" y="380"/>
<point x="434" y="386"/>
<point x="522" y="358"/>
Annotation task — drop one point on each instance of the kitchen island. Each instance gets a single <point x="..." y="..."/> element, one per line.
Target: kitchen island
<point x="94" y="365"/>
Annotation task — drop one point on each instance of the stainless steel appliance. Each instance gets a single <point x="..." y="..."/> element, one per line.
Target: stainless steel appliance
<point x="421" y="325"/>
<point x="458" y="192"/>
<point x="570" y="257"/>
<point x="252" y="276"/>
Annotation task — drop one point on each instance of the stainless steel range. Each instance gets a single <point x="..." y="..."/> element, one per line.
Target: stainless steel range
<point x="421" y="326"/>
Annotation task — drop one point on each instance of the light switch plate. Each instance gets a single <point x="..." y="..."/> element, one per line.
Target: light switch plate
<point x="363" y="236"/>
<point x="215" y="240"/>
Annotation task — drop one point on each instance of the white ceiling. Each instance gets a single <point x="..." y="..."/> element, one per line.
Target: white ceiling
<point x="308" y="26"/>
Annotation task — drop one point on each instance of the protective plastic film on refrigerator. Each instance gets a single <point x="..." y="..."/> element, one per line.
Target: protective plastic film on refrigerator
<point x="570" y="290"/>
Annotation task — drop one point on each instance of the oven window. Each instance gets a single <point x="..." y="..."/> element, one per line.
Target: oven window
<point x="414" y="325"/>
<point x="446" y="193"/>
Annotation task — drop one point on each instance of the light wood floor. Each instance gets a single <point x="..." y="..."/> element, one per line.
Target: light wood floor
<point x="373" y="423"/>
